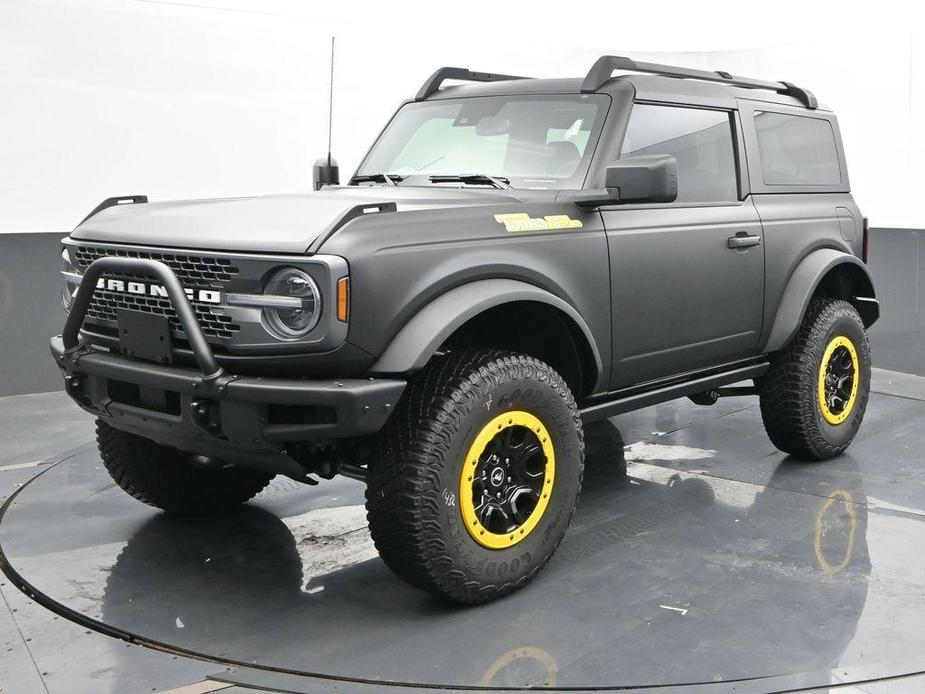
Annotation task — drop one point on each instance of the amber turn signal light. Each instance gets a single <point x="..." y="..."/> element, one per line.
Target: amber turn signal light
<point x="343" y="299"/>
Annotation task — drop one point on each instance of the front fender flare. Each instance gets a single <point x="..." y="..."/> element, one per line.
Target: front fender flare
<point x="803" y="283"/>
<point x="430" y="327"/>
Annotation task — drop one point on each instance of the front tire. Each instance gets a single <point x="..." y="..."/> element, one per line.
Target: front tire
<point x="478" y="475"/>
<point x="160" y="477"/>
<point x="814" y="396"/>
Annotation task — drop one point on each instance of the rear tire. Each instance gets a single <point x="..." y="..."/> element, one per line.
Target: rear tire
<point x="814" y="395"/>
<point x="160" y="477"/>
<point x="477" y="476"/>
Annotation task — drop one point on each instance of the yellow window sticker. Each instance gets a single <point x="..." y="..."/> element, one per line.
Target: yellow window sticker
<point x="521" y="221"/>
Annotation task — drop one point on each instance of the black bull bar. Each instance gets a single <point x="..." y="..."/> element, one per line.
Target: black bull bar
<point x="240" y="428"/>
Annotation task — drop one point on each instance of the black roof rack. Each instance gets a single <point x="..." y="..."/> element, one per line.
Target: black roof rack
<point x="603" y="68"/>
<point x="458" y="73"/>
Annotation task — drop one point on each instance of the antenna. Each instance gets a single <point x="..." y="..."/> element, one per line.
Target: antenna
<point x="331" y="103"/>
<point x="325" y="171"/>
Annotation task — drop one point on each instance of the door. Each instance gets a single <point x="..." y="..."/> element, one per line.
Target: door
<point x="687" y="278"/>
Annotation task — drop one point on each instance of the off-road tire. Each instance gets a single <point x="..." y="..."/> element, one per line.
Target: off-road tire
<point x="160" y="477"/>
<point x="414" y="514"/>
<point x="790" y="405"/>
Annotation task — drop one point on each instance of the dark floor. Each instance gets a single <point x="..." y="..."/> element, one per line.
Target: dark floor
<point x="40" y="651"/>
<point x="713" y="559"/>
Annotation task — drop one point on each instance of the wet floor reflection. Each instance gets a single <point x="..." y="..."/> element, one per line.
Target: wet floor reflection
<point x="666" y="576"/>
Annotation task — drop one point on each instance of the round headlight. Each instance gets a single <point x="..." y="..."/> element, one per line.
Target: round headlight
<point x="298" y="307"/>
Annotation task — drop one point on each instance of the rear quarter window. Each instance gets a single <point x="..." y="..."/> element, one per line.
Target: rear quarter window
<point x="796" y="150"/>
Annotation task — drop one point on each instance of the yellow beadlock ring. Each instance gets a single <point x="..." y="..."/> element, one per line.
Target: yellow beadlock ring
<point x="827" y="414"/>
<point x="493" y="428"/>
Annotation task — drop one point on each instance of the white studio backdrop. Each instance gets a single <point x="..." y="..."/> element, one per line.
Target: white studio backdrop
<point x="205" y="98"/>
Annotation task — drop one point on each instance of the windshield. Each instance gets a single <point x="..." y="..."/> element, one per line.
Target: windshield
<point x="540" y="141"/>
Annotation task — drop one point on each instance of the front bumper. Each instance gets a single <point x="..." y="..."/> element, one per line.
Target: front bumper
<point x="244" y="420"/>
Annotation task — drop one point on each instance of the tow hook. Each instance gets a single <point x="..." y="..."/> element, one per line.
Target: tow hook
<point x="205" y="414"/>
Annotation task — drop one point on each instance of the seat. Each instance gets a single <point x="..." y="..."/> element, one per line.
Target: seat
<point x="563" y="159"/>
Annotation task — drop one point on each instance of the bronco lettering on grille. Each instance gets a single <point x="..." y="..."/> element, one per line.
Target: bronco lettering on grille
<point x="203" y="296"/>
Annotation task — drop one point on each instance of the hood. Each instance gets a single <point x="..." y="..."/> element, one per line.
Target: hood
<point x="271" y="223"/>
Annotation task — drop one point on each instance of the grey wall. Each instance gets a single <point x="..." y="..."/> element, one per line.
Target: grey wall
<point x="30" y="311"/>
<point x="30" y="308"/>
<point x="897" y="259"/>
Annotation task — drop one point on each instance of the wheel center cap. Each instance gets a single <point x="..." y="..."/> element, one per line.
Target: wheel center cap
<point x="497" y="477"/>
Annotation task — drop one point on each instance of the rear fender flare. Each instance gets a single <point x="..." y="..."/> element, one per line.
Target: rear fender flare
<point x="802" y="285"/>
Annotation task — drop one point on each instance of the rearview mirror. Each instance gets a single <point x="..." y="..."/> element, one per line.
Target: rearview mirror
<point x="493" y="125"/>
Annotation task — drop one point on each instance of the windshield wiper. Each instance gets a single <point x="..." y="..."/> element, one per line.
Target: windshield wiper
<point x="388" y="179"/>
<point x="474" y="179"/>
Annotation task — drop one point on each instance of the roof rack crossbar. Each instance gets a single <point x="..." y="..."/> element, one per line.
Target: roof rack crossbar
<point x="603" y="68"/>
<point x="433" y="82"/>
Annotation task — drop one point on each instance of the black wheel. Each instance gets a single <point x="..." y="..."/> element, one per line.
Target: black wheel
<point x="159" y="476"/>
<point x="477" y="475"/>
<point x="814" y="396"/>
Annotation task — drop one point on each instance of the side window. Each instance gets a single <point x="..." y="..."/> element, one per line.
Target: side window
<point x="700" y="140"/>
<point x="796" y="150"/>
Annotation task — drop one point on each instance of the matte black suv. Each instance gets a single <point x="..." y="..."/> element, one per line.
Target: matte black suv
<point x="512" y="259"/>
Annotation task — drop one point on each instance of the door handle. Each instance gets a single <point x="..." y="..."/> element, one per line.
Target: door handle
<point x="743" y="240"/>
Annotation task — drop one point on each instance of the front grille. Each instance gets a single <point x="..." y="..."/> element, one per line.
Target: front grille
<point x="105" y="304"/>
<point x="194" y="272"/>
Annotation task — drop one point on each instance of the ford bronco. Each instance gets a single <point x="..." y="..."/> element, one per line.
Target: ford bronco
<point x="512" y="259"/>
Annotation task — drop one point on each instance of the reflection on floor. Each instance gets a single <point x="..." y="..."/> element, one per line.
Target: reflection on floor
<point x="698" y="554"/>
<point x="40" y="651"/>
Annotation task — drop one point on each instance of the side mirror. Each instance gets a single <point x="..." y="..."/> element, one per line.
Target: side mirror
<point x="640" y="178"/>
<point x="644" y="178"/>
<point x="325" y="172"/>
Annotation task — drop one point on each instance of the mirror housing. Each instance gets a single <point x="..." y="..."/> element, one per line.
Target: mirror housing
<point x="641" y="178"/>
<point x="644" y="178"/>
<point x="325" y="172"/>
